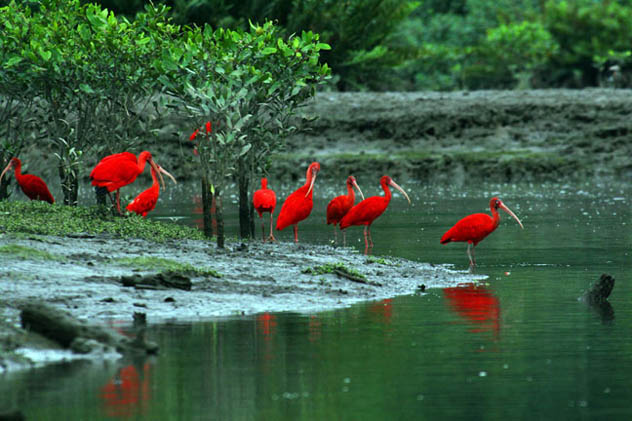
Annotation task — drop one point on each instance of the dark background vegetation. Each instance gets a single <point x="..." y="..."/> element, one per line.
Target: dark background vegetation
<point x="386" y="45"/>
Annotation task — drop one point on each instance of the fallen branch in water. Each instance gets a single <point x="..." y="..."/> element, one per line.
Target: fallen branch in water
<point x="69" y="332"/>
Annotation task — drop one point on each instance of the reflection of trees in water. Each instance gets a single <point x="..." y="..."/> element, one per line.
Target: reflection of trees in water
<point x="478" y="305"/>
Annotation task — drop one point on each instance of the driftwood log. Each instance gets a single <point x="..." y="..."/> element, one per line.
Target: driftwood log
<point x="77" y="335"/>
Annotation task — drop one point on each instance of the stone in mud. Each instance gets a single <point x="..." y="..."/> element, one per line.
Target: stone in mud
<point x="601" y="290"/>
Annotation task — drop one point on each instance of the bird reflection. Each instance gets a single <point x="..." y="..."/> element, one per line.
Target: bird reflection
<point x="478" y="305"/>
<point x="383" y="310"/>
<point x="127" y="393"/>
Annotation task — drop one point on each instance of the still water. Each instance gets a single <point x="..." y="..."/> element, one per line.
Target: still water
<point x="517" y="346"/>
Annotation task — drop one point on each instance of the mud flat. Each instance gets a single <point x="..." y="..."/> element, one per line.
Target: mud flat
<point x="84" y="276"/>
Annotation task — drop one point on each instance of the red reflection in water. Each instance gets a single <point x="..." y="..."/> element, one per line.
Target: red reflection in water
<point x="315" y="329"/>
<point x="476" y="304"/>
<point x="383" y="310"/>
<point x="266" y="324"/>
<point x="127" y="393"/>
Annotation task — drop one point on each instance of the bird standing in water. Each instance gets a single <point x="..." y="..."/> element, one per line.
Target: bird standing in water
<point x="299" y="204"/>
<point x="33" y="187"/>
<point x="474" y="228"/>
<point x="365" y="212"/>
<point x="264" y="200"/>
<point x="340" y="205"/>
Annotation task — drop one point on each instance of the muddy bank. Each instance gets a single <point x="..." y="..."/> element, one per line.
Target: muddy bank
<point x="506" y="135"/>
<point x="536" y="135"/>
<point x="84" y="276"/>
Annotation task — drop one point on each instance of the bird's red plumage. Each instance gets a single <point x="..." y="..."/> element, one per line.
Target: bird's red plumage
<point x="33" y="186"/>
<point x="299" y="204"/>
<point x="264" y="199"/>
<point x="118" y="170"/>
<point x="472" y="229"/>
<point x="340" y="205"/>
<point x="365" y="212"/>
<point x="295" y="208"/>
<point x="146" y="201"/>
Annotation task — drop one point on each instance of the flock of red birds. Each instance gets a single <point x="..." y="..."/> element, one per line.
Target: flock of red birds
<point x="118" y="170"/>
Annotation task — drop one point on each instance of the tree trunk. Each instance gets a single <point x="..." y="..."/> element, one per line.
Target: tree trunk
<point x="101" y="193"/>
<point x="219" y="214"/>
<point x="206" y="207"/>
<point x="4" y="189"/>
<point x="246" y="222"/>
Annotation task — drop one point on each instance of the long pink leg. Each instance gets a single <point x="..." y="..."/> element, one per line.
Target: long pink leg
<point x="271" y="237"/>
<point x="296" y="233"/>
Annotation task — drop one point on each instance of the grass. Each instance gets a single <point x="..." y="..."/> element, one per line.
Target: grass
<point x="37" y="217"/>
<point x="23" y="252"/>
<point x="161" y="264"/>
<point x="331" y="268"/>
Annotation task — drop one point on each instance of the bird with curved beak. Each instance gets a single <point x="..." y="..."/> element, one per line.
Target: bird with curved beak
<point x="146" y="201"/>
<point x="474" y="228"/>
<point x="299" y="204"/>
<point x="365" y="212"/>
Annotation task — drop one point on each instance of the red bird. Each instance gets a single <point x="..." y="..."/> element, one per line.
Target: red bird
<point x="146" y="201"/>
<point x="474" y="228"/>
<point x="340" y="205"/>
<point x="264" y="200"/>
<point x="33" y="187"/>
<point x="120" y="169"/>
<point x="365" y="212"/>
<point x="299" y="204"/>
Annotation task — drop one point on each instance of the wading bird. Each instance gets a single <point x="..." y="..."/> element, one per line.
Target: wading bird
<point x="299" y="204"/>
<point x="340" y="205"/>
<point x="474" y="228"/>
<point x="264" y="200"/>
<point x="365" y="212"/>
<point x="33" y="187"/>
<point x="120" y="169"/>
<point x="146" y="201"/>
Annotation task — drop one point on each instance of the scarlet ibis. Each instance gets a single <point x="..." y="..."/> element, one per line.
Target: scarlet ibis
<point x="120" y="169"/>
<point x="365" y="212"/>
<point x="474" y="228"/>
<point x="340" y="205"/>
<point x="264" y="200"/>
<point x="146" y="201"/>
<point x="33" y="187"/>
<point x="299" y="204"/>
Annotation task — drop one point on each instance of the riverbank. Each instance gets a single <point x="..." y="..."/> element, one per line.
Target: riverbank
<point x="83" y="275"/>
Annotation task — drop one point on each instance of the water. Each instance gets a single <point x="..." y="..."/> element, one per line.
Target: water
<point x="518" y="346"/>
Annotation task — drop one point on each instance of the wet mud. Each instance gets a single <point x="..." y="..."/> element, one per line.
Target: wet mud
<point x="86" y="278"/>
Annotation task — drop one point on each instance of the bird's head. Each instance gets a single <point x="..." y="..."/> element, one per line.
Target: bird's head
<point x="496" y="203"/>
<point x="351" y="181"/>
<point x="312" y="171"/>
<point x="13" y="163"/>
<point x="388" y="180"/>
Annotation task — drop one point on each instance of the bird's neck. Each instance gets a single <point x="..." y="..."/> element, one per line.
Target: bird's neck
<point x="154" y="177"/>
<point x="142" y="160"/>
<point x="350" y="191"/>
<point x="495" y="216"/>
<point x="387" y="192"/>
<point x="17" y="170"/>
